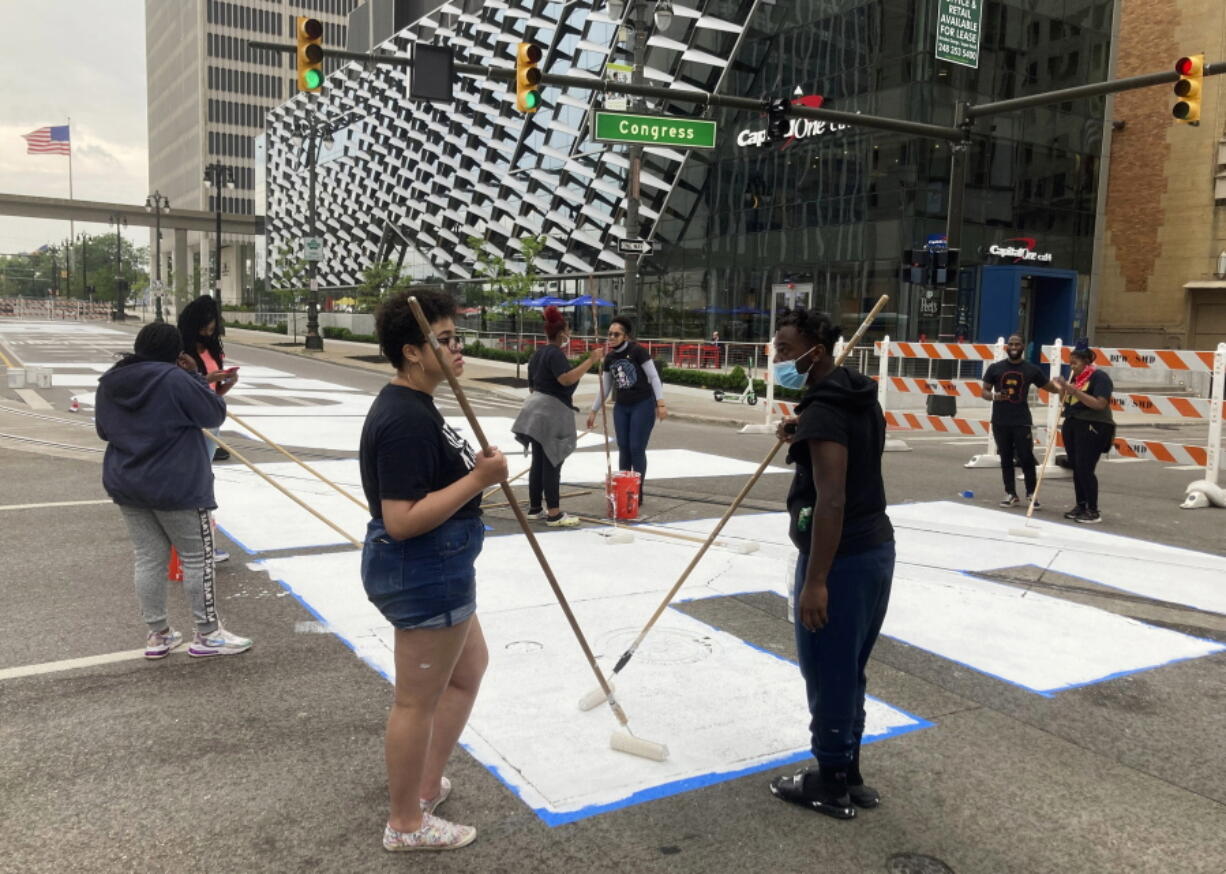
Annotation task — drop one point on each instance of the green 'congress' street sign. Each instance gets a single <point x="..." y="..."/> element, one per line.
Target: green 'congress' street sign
<point x="653" y="130"/>
<point x="958" y="31"/>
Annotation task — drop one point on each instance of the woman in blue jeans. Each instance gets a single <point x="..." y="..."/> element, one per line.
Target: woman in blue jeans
<point x="836" y="505"/>
<point x="423" y="485"/>
<point x="638" y="397"/>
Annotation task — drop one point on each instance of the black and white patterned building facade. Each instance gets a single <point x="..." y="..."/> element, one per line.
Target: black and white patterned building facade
<point x="411" y="182"/>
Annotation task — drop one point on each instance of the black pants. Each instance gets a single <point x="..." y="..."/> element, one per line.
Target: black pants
<point x="543" y="477"/>
<point x="1015" y="441"/>
<point x="1085" y="443"/>
<point x="833" y="659"/>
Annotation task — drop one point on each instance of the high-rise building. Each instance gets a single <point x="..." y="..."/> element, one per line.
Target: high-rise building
<point x="1161" y="259"/>
<point x="208" y="97"/>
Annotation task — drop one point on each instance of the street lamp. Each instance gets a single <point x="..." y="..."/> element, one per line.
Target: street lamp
<point x="85" y="267"/>
<point x="218" y="176"/>
<point x="637" y="28"/>
<point x="155" y="203"/>
<point x="119" y="221"/>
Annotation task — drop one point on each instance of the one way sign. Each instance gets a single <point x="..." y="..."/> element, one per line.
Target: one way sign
<point x="636" y="247"/>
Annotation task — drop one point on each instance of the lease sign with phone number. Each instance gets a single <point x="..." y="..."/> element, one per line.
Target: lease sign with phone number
<point x="958" y="24"/>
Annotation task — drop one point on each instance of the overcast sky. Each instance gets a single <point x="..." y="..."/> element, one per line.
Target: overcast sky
<point x="84" y="59"/>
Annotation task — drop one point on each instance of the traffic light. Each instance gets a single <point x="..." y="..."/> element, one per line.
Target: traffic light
<point x="777" y="120"/>
<point x="1191" y="72"/>
<point x="310" y="54"/>
<point x="528" y="77"/>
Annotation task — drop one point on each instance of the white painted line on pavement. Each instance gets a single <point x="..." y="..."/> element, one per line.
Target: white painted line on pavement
<point x="70" y="664"/>
<point x="55" y="504"/>
<point x="33" y="399"/>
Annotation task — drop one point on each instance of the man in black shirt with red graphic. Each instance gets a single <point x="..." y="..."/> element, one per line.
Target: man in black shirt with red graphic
<point x="1007" y="384"/>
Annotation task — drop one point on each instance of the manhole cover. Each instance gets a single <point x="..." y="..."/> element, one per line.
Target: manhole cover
<point x="914" y="863"/>
<point x="662" y="646"/>
<point x="524" y="646"/>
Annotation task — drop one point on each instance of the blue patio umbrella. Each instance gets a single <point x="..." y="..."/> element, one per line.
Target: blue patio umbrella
<point x="585" y="300"/>
<point x="748" y="311"/>
<point x="550" y="301"/>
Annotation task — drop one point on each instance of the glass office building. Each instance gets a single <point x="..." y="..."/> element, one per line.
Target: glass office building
<point x="821" y="218"/>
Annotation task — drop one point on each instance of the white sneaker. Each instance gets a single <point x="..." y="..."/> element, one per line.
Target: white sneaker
<point x="431" y="804"/>
<point x="434" y="834"/>
<point x="159" y="643"/>
<point x="563" y="521"/>
<point x="220" y="555"/>
<point x="218" y="643"/>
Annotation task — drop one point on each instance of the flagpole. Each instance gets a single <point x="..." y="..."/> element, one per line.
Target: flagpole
<point x="72" y="226"/>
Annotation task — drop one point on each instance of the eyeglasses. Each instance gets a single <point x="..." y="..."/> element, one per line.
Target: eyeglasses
<point x="455" y="343"/>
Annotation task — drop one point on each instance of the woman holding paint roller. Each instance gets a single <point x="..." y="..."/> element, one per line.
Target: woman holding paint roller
<point x="546" y="424"/>
<point x="423" y="485"/>
<point x="1088" y="430"/>
<point x="845" y="567"/>
<point x="638" y="395"/>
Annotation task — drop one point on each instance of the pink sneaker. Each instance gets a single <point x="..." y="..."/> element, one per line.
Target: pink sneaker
<point x="434" y="834"/>
<point x="429" y="805"/>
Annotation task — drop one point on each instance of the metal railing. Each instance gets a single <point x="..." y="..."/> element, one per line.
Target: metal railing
<point x="54" y="309"/>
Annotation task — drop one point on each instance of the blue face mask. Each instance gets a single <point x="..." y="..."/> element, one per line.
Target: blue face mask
<point x="788" y="376"/>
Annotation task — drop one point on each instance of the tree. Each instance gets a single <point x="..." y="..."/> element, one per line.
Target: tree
<point x="290" y="277"/>
<point x="379" y="280"/>
<point x="506" y="285"/>
<point x="42" y="272"/>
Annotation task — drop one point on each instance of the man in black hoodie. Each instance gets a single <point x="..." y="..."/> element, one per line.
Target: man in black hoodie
<point x="150" y="409"/>
<point x="838" y="522"/>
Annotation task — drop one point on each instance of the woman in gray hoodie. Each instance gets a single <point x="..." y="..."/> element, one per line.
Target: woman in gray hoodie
<point x="150" y="409"/>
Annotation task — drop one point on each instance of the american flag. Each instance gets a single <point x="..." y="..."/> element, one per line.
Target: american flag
<point x="48" y="141"/>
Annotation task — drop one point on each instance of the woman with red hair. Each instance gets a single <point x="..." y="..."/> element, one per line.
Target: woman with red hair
<point x="546" y="423"/>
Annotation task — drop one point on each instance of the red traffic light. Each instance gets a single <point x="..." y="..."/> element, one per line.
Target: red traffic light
<point x="312" y="28"/>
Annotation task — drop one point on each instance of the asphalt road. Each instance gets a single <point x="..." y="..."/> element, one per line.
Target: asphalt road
<point x="272" y="761"/>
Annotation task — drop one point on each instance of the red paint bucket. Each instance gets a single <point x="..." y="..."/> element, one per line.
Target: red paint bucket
<point x="622" y="491"/>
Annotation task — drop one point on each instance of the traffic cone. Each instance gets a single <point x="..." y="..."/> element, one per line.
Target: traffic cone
<point x="74" y="406"/>
<point x="174" y="569"/>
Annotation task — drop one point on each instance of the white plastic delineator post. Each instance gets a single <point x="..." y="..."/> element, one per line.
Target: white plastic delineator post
<point x="1208" y="491"/>
<point x="892" y="444"/>
<point x="1051" y="470"/>
<point x="990" y="457"/>
<point x="768" y="425"/>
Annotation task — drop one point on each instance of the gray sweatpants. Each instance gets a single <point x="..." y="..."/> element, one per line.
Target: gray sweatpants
<point x="153" y="532"/>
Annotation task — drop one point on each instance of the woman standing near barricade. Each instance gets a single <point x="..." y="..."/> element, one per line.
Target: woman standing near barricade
<point x="423" y="485"/>
<point x="1089" y="428"/>
<point x="845" y="566"/>
<point x="546" y="423"/>
<point x="638" y="395"/>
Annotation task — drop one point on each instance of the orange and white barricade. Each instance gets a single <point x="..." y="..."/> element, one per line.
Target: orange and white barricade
<point x="1203" y="492"/>
<point x="965" y="388"/>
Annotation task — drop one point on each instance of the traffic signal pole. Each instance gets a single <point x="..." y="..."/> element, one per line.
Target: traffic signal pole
<point x="313" y="340"/>
<point x="630" y="284"/>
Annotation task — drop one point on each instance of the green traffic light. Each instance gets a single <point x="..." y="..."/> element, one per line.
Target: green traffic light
<point x="313" y="78"/>
<point x="532" y="100"/>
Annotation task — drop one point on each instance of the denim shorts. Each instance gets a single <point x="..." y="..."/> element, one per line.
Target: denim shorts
<point x="427" y="581"/>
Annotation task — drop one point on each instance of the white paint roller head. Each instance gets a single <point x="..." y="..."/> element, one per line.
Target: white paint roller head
<point x="615" y="536"/>
<point x="623" y="741"/>
<point x="594" y="698"/>
<point x="741" y="547"/>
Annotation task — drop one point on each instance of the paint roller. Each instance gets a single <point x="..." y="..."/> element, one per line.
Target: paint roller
<point x="622" y="739"/>
<point x="618" y="535"/>
<point x="1029" y="530"/>
<point x="594" y="697"/>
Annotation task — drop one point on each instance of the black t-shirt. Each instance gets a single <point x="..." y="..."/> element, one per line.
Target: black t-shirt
<point x="408" y="451"/>
<point x="1014" y="382"/>
<point x="1098" y="386"/>
<point x="547" y="364"/>
<point x="843" y="409"/>
<point x="630" y="383"/>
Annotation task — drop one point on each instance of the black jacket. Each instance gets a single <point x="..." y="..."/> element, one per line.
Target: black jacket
<point x="150" y="414"/>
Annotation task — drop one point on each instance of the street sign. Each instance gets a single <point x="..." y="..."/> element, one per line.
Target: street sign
<point x="958" y="31"/>
<point x="636" y="247"/>
<point x="653" y="130"/>
<point x="312" y="248"/>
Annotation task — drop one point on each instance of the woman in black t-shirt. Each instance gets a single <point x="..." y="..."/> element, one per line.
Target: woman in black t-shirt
<point x="1088" y="430"/>
<point x="547" y="421"/>
<point x="423" y="485"/>
<point x="638" y="396"/>
<point x="845" y="567"/>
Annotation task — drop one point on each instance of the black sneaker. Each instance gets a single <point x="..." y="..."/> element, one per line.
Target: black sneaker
<point x="220" y="454"/>
<point x="823" y="792"/>
<point x="1090" y="517"/>
<point x="1010" y="501"/>
<point x="1075" y="513"/>
<point x="860" y="794"/>
<point x="1037" y="505"/>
